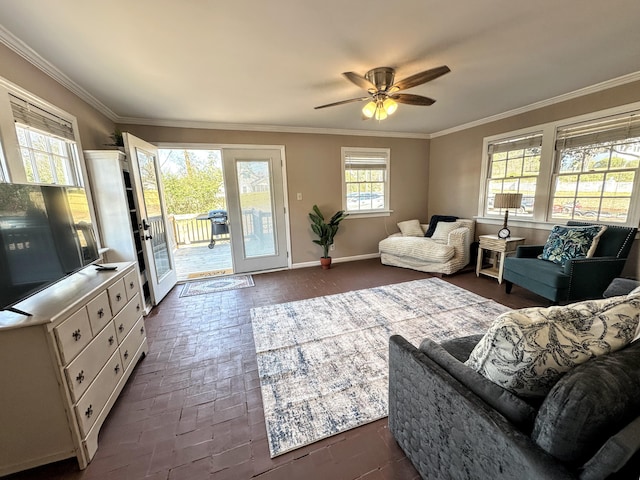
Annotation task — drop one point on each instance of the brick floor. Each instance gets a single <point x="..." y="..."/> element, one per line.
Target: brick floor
<point x="193" y="410"/>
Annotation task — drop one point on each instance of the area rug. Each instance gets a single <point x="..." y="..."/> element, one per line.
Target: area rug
<point x="323" y="362"/>
<point x="216" y="285"/>
<point x="209" y="273"/>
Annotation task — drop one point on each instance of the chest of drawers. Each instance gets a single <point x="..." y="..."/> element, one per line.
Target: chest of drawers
<point x="62" y="369"/>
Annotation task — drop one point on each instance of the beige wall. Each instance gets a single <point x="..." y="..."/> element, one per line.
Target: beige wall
<point x="94" y="127"/>
<point x="313" y="169"/>
<point x="456" y="160"/>
<point x="440" y="176"/>
<point x="313" y="163"/>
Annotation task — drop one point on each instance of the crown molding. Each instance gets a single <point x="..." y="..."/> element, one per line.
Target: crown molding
<point x="31" y="56"/>
<point x="266" y="128"/>
<point x="598" y="87"/>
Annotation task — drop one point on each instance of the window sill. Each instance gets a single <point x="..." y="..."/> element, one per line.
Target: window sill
<point x="533" y="224"/>
<point x="369" y="214"/>
<point x="517" y="222"/>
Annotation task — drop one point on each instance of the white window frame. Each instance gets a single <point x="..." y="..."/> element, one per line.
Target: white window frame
<point x="522" y="142"/>
<point x="11" y="163"/>
<point x="378" y="153"/>
<point x="544" y="188"/>
<point x="606" y="130"/>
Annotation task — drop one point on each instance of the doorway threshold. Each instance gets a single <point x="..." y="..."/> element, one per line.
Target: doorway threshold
<point x="198" y="261"/>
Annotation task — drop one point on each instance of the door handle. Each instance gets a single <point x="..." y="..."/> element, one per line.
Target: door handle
<point x="148" y="237"/>
<point x="145" y="225"/>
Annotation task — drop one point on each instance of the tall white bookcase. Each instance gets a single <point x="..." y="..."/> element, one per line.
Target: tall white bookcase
<point x="114" y="198"/>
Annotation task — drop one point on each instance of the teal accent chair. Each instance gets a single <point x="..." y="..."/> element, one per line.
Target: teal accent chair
<point x="577" y="279"/>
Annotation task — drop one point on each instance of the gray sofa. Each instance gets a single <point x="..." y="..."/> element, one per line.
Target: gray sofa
<point x="453" y="423"/>
<point x="449" y="431"/>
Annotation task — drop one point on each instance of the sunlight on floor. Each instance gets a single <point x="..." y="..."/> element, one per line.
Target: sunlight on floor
<point x="198" y="261"/>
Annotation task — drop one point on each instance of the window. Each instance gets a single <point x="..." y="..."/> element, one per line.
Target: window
<point x="582" y="168"/>
<point x="596" y="170"/>
<point x="514" y="167"/>
<point x="47" y="144"/>
<point x="365" y="179"/>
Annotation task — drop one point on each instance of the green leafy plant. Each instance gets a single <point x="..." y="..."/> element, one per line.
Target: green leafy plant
<point x="325" y="231"/>
<point x="116" y="139"/>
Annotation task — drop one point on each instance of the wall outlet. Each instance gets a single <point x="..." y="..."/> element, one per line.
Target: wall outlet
<point x="332" y="247"/>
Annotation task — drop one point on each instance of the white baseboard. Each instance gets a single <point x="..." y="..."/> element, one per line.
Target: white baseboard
<point x="337" y="260"/>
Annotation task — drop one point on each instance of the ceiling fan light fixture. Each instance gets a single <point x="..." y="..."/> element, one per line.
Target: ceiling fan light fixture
<point x="390" y="106"/>
<point x="369" y="109"/>
<point x="381" y="113"/>
<point x="382" y="88"/>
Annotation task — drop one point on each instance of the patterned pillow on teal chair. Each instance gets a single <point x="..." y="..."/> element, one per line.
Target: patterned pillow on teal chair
<point x="565" y="243"/>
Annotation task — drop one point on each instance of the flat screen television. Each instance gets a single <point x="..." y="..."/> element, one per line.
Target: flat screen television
<point x="46" y="234"/>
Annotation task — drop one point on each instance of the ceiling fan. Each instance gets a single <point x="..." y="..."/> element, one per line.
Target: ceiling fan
<point x="383" y="92"/>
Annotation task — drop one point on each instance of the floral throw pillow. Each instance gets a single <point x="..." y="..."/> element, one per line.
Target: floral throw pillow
<point x="526" y="351"/>
<point x="565" y="243"/>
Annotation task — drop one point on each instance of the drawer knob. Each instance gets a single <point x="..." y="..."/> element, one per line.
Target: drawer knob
<point x="131" y="285"/>
<point x="101" y="313"/>
<point x="80" y="377"/>
<point x="126" y="354"/>
<point x="138" y="307"/>
<point x="142" y="330"/>
<point x="118" y="297"/>
<point x="89" y="411"/>
<point x="76" y="335"/>
<point x="111" y="340"/>
<point x="121" y="328"/>
<point x="117" y="368"/>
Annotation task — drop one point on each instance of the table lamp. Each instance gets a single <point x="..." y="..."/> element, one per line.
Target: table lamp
<point x="506" y="201"/>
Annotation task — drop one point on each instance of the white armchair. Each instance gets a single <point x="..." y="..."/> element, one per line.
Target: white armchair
<point x="446" y="251"/>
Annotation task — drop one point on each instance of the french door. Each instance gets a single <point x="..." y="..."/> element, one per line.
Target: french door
<point x="256" y="208"/>
<point x="154" y="231"/>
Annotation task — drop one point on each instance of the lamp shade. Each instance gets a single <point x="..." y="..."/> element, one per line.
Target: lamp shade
<point x="507" y="200"/>
<point x="369" y="109"/>
<point x="381" y="113"/>
<point x="390" y="106"/>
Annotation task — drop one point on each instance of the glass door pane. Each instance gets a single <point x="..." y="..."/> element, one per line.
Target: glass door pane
<point x="154" y="224"/>
<point x="254" y="186"/>
<point x="152" y="219"/>
<point x="254" y="182"/>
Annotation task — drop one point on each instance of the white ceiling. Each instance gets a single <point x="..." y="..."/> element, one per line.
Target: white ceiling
<point x="258" y="64"/>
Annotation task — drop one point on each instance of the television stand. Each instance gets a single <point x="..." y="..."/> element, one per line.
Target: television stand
<point x="63" y="368"/>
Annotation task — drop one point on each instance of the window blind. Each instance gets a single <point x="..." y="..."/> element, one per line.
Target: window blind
<point x="30" y="115"/>
<point x="365" y="161"/>
<point x="609" y="130"/>
<point x="515" y="144"/>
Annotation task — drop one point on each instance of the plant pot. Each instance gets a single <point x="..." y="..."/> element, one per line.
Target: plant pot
<point x="325" y="263"/>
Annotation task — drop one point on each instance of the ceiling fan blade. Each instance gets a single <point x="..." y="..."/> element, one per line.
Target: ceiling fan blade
<point x="359" y="80"/>
<point x="412" y="99"/>
<point x="422" y="77"/>
<point x="342" y="102"/>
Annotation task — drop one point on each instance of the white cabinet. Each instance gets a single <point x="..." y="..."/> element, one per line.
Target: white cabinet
<point x="114" y="197"/>
<point x="62" y="369"/>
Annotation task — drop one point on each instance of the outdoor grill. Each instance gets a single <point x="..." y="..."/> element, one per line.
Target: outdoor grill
<point x="219" y="224"/>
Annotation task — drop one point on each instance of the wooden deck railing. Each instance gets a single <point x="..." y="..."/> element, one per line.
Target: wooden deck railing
<point x="188" y="229"/>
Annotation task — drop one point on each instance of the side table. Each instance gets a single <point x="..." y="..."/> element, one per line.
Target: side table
<point x="502" y="247"/>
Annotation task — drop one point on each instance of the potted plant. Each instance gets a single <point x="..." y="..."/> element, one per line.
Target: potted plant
<point x="117" y="139"/>
<point x="325" y="232"/>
